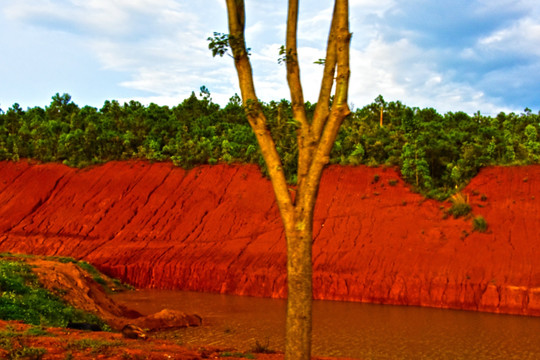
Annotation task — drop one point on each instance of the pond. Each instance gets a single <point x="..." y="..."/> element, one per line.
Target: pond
<point x="348" y="329"/>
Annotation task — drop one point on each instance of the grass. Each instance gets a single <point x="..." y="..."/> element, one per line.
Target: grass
<point x="237" y="355"/>
<point x="95" y="346"/>
<point x="109" y="285"/>
<point x="479" y="224"/>
<point x="261" y="348"/>
<point x="26" y="353"/>
<point x="258" y="348"/>
<point x="10" y="332"/>
<point x="23" y="298"/>
<point x="460" y="206"/>
<point x="37" y="331"/>
<point x="96" y="275"/>
<point x="11" y="341"/>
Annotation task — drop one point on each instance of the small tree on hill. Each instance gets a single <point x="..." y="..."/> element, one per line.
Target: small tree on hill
<point x="315" y="137"/>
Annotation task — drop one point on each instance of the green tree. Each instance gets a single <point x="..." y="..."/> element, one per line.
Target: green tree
<point x="531" y="142"/>
<point x="415" y="168"/>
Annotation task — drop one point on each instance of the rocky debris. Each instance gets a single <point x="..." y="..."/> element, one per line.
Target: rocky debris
<point x="131" y="331"/>
<point x="167" y="318"/>
<point x="217" y="229"/>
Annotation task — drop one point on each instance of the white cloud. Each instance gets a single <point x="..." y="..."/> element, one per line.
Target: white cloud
<point x="314" y="27"/>
<point x="522" y="37"/>
<point x="378" y="7"/>
<point x="111" y="19"/>
<point x="402" y="71"/>
<point x="495" y="6"/>
<point x="158" y="43"/>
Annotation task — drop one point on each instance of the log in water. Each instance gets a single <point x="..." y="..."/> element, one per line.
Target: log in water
<point x="347" y="329"/>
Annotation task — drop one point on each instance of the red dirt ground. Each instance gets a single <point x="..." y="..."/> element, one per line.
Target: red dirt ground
<point x="217" y="229"/>
<point x="62" y="343"/>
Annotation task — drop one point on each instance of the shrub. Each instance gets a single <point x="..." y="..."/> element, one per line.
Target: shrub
<point x="64" y="260"/>
<point x="479" y="224"/>
<point x="237" y="355"/>
<point x="460" y="206"/>
<point x="28" y="353"/>
<point x="96" y="346"/>
<point x="262" y="348"/>
<point x="96" y="275"/>
<point x="36" y="331"/>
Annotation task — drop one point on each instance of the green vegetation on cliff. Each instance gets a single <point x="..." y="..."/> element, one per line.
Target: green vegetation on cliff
<point x="436" y="153"/>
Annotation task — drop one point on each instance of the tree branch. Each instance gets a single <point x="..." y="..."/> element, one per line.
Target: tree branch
<point x="293" y="68"/>
<point x="254" y="113"/>
<point x="297" y="98"/>
<point x="322" y="110"/>
<point x="340" y="109"/>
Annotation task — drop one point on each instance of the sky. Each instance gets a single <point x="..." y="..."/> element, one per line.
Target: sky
<point x="451" y="55"/>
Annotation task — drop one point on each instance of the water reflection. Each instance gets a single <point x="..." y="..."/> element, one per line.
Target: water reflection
<point x="345" y="329"/>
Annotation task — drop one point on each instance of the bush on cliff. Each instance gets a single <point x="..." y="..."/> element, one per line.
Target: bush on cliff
<point x="460" y="206"/>
<point x="479" y="224"/>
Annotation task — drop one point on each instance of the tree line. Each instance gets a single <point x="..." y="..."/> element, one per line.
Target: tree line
<point x="435" y="153"/>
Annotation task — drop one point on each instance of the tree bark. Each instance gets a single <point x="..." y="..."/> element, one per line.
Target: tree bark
<point x="300" y="293"/>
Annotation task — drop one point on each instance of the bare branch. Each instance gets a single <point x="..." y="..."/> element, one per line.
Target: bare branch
<point x="304" y="138"/>
<point x="343" y="49"/>
<point x="254" y="112"/>
<point x="293" y="68"/>
<point x="322" y="110"/>
<point x="340" y="109"/>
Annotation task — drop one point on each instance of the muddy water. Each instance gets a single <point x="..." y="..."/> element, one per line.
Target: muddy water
<point x="345" y="329"/>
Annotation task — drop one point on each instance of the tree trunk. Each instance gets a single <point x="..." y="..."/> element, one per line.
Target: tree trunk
<point x="299" y="286"/>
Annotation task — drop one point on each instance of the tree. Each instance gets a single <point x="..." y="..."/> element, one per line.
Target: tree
<point x="315" y="138"/>
<point x="531" y="143"/>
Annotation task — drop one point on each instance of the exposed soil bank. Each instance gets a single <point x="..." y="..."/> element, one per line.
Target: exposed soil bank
<point x="216" y="228"/>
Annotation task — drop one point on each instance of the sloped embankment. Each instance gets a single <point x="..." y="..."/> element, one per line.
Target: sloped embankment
<point x="216" y="228"/>
<point x="88" y="291"/>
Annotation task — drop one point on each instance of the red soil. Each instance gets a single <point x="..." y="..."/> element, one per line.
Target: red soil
<point x="62" y="343"/>
<point x="216" y="228"/>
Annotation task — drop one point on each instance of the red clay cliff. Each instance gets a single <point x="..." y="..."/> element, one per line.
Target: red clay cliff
<point x="217" y="229"/>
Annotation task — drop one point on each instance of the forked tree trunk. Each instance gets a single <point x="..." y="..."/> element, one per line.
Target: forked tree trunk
<point x="315" y="138"/>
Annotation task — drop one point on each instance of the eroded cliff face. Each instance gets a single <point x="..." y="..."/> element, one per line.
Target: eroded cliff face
<point x="217" y="229"/>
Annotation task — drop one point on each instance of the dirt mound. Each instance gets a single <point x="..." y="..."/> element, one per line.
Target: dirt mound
<point x="81" y="290"/>
<point x="216" y="228"/>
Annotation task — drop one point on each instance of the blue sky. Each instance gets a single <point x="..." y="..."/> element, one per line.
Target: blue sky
<point x="476" y="55"/>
